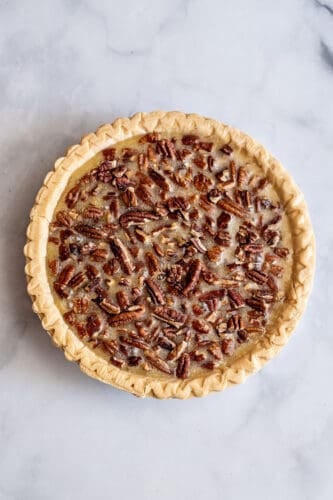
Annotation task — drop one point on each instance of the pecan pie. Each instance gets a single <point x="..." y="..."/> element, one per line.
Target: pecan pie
<point x="169" y="254"/>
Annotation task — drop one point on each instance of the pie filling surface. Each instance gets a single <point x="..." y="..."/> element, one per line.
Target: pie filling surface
<point x="169" y="254"/>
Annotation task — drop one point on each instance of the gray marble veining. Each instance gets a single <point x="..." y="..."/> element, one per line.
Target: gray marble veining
<point x="65" y="68"/>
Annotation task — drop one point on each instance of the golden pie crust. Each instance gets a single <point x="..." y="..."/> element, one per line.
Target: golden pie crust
<point x="165" y="386"/>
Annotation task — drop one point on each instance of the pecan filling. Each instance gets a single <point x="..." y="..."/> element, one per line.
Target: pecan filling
<point x="167" y="254"/>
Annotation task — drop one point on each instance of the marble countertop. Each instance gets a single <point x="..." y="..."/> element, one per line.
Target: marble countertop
<point x="65" y="68"/>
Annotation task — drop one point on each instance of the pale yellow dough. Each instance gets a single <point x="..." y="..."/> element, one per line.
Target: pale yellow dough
<point x="163" y="386"/>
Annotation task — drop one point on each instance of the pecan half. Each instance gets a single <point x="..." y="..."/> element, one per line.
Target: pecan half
<point x="190" y="139"/>
<point x="151" y="154"/>
<point x="198" y="356"/>
<point x="272" y="238"/>
<point x="93" y="324"/>
<point x="87" y="248"/>
<point x="192" y="277"/>
<point x="129" y="198"/>
<point x="242" y="177"/>
<point x="152" y="263"/>
<point x="151" y="137"/>
<point x="128" y="154"/>
<point x="124" y="318"/>
<point x="73" y="196"/>
<point x="213" y="294"/>
<point x="235" y="299"/>
<point x="205" y="204"/>
<point x="99" y="255"/>
<point x="276" y="270"/>
<point x="70" y="317"/>
<point x="200" y="326"/>
<point x="65" y="234"/>
<point x="223" y="220"/>
<point x="64" y="252"/>
<point x="199" y="161"/>
<point x="155" y="291"/>
<point x="92" y="212"/>
<point x="60" y="290"/>
<point x="212" y="305"/>
<point x="228" y="346"/>
<point x="235" y="322"/>
<point x="281" y="252"/>
<point x="254" y="248"/>
<point x="257" y="304"/>
<point x="229" y="283"/>
<point x="114" y="207"/>
<point x="66" y="274"/>
<point x="159" y="179"/>
<point x="232" y="208"/>
<point x="205" y="146"/>
<point x="272" y="284"/>
<point x="158" y="249"/>
<point x="183" y="368"/>
<point x="63" y="219"/>
<point x="266" y="295"/>
<point x="119" y="363"/>
<point x="171" y="150"/>
<point x="215" y="350"/>
<point x="166" y="148"/>
<point x="144" y="194"/>
<point x="202" y="183"/>
<point x="109" y="307"/>
<point x="80" y="305"/>
<point x="109" y="153"/>
<point x="170" y="316"/>
<point x="92" y="232"/>
<point x="135" y="216"/>
<point x="157" y="362"/>
<point x="214" y="253"/>
<point x="255" y="330"/>
<point x="209" y="365"/>
<point x="111" y="267"/>
<point x="246" y="198"/>
<point x="257" y="276"/>
<point x="134" y="341"/>
<point x="210" y="277"/>
<point x="122" y="254"/>
<point x="122" y="299"/>
<point x="78" y="280"/>
<point x="177" y="203"/>
<point x="142" y="161"/>
<point x="223" y="238"/>
<point x="53" y="265"/>
<point x="123" y="183"/>
<point x="110" y="345"/>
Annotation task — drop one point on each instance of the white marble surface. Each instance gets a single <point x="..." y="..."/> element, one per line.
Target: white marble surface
<point x="65" y="68"/>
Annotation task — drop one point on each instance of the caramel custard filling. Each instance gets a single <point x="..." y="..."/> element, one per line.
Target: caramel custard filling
<point x="169" y="254"/>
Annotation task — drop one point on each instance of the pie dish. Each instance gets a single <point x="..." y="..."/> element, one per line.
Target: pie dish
<point x="169" y="255"/>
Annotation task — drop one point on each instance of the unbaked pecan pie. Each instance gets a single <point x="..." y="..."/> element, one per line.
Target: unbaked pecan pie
<point x="175" y="255"/>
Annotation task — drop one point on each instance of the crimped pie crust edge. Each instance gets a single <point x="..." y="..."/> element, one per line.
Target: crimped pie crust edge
<point x="163" y="386"/>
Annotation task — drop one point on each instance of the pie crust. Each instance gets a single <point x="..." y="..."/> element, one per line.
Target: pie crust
<point x="160" y="385"/>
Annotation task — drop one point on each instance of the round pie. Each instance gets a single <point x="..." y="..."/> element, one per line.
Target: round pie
<point x="169" y="255"/>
